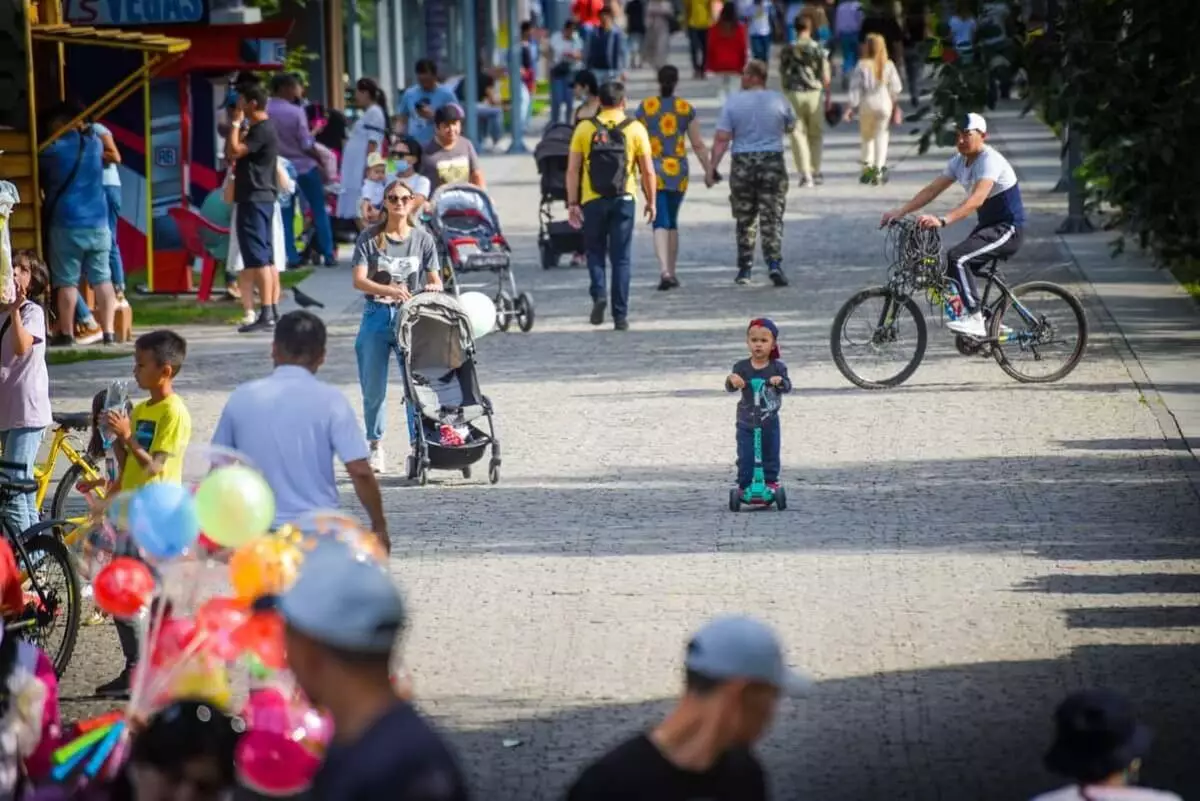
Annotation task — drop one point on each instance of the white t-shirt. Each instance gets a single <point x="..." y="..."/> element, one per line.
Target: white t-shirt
<point x="559" y="45"/>
<point x="1096" y="793"/>
<point x="758" y="14"/>
<point x="372" y="192"/>
<point x="1003" y="204"/>
<point x="112" y="173"/>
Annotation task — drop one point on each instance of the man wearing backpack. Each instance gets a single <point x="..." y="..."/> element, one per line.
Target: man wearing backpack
<point x="601" y="193"/>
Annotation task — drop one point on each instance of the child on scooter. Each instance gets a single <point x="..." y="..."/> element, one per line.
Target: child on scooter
<point x="762" y="337"/>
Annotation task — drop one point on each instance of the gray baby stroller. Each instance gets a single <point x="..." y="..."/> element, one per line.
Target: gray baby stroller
<point x="555" y="237"/>
<point x="467" y="229"/>
<point x="450" y="425"/>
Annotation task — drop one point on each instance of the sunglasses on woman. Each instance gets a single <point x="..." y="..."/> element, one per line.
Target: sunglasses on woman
<point x="397" y="198"/>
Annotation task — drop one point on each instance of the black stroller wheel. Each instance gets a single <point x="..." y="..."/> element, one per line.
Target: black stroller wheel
<point x="466" y="471"/>
<point x="504" y="311"/>
<point x="423" y="476"/>
<point x="494" y="473"/>
<point x="524" y="311"/>
<point x="410" y="467"/>
<point x="781" y="499"/>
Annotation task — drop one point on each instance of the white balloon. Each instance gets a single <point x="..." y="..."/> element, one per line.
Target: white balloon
<point x="481" y="311"/>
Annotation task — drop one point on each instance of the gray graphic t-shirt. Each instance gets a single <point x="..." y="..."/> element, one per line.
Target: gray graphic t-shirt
<point x="405" y="261"/>
<point x="449" y="165"/>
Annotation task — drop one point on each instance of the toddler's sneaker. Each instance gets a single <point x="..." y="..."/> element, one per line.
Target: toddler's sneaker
<point x="773" y="486"/>
<point x="378" y="459"/>
<point x="743" y="276"/>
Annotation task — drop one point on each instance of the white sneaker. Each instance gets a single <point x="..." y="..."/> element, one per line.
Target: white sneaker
<point x="378" y="460"/>
<point x="969" y="326"/>
<point x="249" y="317"/>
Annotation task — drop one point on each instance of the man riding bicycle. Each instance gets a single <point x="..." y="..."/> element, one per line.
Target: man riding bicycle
<point x="993" y="192"/>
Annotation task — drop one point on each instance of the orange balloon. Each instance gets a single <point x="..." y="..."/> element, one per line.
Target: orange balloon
<point x="262" y="635"/>
<point x="265" y="566"/>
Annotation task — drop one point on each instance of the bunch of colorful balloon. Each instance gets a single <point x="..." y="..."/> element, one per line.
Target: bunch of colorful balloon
<point x="196" y="568"/>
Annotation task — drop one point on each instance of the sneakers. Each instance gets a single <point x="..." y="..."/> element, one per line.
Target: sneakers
<point x="777" y="276"/>
<point x="598" y="309"/>
<point x="818" y="178"/>
<point x="667" y="282"/>
<point x="377" y="459"/>
<point x="969" y="326"/>
<point x="88" y="332"/>
<point x="743" y="276"/>
<point x="263" y="322"/>
<point x="108" y="339"/>
<point x="331" y="261"/>
<point x="118" y="687"/>
<point x="620" y="324"/>
<point x="61" y="341"/>
<point x="248" y="318"/>
<point x="807" y="181"/>
<point x="773" y="486"/>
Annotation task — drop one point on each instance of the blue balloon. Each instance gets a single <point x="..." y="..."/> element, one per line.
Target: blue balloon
<point x="162" y="520"/>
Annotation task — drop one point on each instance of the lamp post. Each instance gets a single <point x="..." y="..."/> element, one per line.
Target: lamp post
<point x="471" y="79"/>
<point x="1077" y="221"/>
<point x="517" y="108"/>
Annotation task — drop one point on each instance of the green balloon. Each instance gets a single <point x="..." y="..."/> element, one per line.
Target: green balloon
<point x="234" y="505"/>
<point x="218" y="212"/>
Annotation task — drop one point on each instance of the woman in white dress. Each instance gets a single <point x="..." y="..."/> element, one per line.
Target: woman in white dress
<point x="368" y="136"/>
<point x="233" y="261"/>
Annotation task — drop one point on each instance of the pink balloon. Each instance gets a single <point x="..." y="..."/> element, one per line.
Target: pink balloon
<point x="273" y="765"/>
<point x="268" y="710"/>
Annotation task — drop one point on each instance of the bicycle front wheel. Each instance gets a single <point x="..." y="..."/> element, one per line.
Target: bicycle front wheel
<point x="52" y="599"/>
<point x="882" y="329"/>
<point x="1039" y="333"/>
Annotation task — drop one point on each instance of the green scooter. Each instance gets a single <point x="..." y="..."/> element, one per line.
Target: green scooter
<point x="758" y="493"/>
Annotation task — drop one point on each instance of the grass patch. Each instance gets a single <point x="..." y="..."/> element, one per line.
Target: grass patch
<point x="1187" y="272"/>
<point x="159" y="312"/>
<point x="75" y="355"/>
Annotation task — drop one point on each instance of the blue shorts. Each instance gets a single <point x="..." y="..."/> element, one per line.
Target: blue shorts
<point x="666" y="209"/>
<point x="80" y="252"/>
<point x="255" y="224"/>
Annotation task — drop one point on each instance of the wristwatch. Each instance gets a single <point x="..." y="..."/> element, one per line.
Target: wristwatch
<point x="942" y="220"/>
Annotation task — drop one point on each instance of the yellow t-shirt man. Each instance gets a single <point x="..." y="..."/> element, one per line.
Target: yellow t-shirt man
<point x="637" y="144"/>
<point x="699" y="14"/>
<point x="163" y="427"/>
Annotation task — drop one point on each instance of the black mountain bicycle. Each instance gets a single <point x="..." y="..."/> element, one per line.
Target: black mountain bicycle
<point x="1027" y="325"/>
<point x="50" y="616"/>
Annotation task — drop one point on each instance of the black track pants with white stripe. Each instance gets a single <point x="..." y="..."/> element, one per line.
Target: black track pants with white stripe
<point x="985" y="243"/>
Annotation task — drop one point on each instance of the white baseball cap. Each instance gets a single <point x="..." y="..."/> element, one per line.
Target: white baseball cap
<point x="739" y="647"/>
<point x="973" y="122"/>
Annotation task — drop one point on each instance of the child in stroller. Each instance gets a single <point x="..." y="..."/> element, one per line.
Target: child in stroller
<point x="468" y="231"/>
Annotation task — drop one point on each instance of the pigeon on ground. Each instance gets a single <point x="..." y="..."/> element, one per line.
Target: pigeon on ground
<point x="306" y="301"/>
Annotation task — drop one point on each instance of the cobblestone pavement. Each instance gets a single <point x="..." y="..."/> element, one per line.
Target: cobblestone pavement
<point x="958" y="553"/>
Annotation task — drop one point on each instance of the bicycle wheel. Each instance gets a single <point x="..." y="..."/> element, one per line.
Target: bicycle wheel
<point x="1039" y="332"/>
<point x="68" y="504"/>
<point x="874" y="322"/>
<point x="51" y="616"/>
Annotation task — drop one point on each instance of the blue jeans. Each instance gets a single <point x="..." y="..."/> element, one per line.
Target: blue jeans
<point x="562" y="99"/>
<point x="849" y="51"/>
<point x="21" y="447"/>
<point x="115" y="265"/>
<point x="666" y="206"/>
<point x="608" y="235"/>
<point x="770" y="452"/>
<point x="760" y="47"/>
<point x="374" y="347"/>
<point x="313" y="188"/>
<point x="491" y="123"/>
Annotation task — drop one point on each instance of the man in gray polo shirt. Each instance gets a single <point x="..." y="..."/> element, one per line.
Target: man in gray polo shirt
<point x="753" y="124"/>
<point x="291" y="426"/>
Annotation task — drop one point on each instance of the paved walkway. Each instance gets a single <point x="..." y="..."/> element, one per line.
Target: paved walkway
<point x="958" y="553"/>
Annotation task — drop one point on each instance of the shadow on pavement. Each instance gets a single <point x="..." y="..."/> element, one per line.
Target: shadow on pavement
<point x="961" y="731"/>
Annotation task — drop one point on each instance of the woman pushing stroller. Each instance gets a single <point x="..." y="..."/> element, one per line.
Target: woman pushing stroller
<point x="392" y="261"/>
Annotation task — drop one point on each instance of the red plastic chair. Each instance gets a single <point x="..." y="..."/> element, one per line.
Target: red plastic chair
<point x="190" y="223"/>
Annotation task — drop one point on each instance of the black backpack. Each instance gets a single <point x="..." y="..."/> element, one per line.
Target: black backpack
<point x="608" y="160"/>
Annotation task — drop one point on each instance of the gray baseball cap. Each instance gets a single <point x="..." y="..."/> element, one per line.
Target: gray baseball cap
<point x="346" y="599"/>
<point x="738" y="647"/>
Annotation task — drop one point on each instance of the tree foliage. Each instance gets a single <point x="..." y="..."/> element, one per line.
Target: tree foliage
<point x="1123" y="73"/>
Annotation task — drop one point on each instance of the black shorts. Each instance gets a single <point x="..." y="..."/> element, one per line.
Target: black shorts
<point x="255" y="229"/>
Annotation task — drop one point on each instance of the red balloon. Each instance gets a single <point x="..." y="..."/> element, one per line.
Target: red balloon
<point x="208" y="545"/>
<point x="174" y="636"/>
<point x="123" y="587"/>
<point x="262" y="634"/>
<point x="272" y="765"/>
<point x="219" y="619"/>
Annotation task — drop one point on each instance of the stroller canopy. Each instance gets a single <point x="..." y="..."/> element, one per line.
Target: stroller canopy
<point x="433" y="331"/>
<point x="555" y="144"/>
<point x="450" y="198"/>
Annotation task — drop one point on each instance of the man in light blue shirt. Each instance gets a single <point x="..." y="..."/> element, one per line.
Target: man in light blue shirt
<point x="418" y="103"/>
<point x="291" y="426"/>
<point x="753" y="124"/>
<point x="72" y="173"/>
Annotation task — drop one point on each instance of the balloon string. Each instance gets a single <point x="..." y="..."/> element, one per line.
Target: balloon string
<point x="158" y="611"/>
<point x="163" y="681"/>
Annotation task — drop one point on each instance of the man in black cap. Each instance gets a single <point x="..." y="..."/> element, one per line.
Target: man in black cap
<point x="451" y="159"/>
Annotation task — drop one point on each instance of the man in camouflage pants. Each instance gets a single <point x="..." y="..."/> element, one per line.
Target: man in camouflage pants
<point x="753" y="124"/>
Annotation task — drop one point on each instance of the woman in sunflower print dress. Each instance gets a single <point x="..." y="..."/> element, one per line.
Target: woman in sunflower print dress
<point x="670" y="121"/>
